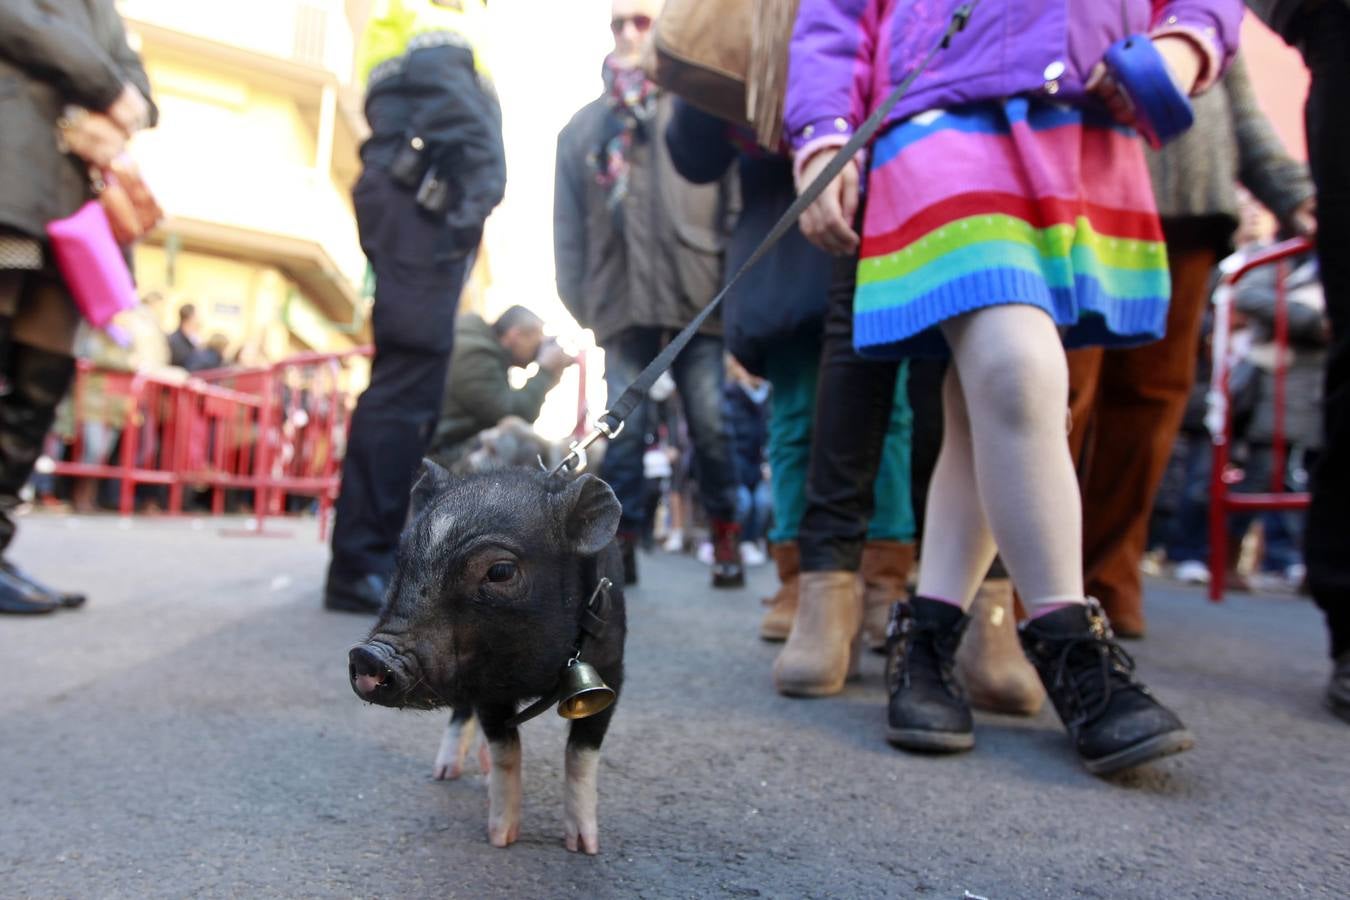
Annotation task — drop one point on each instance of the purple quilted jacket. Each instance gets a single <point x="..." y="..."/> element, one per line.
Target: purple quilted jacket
<point x="846" y="55"/>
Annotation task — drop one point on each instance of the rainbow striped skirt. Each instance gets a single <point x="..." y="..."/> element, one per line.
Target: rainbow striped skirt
<point x="1012" y="201"/>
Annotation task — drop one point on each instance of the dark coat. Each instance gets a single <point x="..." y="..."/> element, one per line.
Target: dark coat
<point x="51" y="55"/>
<point x="1283" y="15"/>
<point x="783" y="295"/>
<point x="1306" y="354"/>
<point x="478" y="393"/>
<point x="433" y="92"/>
<point x="1232" y="141"/>
<point x="181" y="350"/>
<point x="658" y="261"/>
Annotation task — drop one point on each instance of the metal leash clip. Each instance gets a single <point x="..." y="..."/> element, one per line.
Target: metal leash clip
<point x="575" y="460"/>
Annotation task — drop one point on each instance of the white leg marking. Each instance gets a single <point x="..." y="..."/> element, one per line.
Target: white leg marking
<point x="504" y="794"/>
<point x="579" y="800"/>
<point x="484" y="758"/>
<point x="449" y="758"/>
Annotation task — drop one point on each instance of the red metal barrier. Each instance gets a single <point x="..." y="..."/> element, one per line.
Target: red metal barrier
<point x="274" y="431"/>
<point x="1222" y="501"/>
<point x="144" y="405"/>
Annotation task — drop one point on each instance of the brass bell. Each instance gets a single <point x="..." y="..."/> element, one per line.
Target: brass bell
<point x="583" y="692"/>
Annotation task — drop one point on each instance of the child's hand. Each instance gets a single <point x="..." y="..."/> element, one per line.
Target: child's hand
<point x="828" y="222"/>
<point x="1184" y="63"/>
<point x="1183" y="59"/>
<point x="1303" y="220"/>
<point x="1107" y="90"/>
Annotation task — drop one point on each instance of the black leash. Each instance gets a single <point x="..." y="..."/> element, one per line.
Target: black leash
<point x="610" y="423"/>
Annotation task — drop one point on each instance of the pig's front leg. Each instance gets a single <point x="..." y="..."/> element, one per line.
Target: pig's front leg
<point x="504" y="783"/>
<point x="580" y="796"/>
<point x="454" y="745"/>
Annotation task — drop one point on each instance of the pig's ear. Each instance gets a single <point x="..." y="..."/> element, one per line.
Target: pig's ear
<point x="592" y="514"/>
<point x="430" y="482"/>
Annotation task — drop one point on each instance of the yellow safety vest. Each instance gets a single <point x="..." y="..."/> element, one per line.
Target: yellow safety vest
<point x="395" y="23"/>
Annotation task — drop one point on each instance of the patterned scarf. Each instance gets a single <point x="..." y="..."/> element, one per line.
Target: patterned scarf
<point x="632" y="102"/>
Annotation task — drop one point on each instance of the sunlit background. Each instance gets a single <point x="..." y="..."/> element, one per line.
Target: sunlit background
<point x="256" y="152"/>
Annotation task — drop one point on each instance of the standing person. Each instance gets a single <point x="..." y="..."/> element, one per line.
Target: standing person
<point x="774" y="323"/>
<point x="432" y="170"/>
<point x="1321" y="30"/>
<point x="746" y="410"/>
<point x="639" y="252"/>
<point x="478" y="392"/>
<point x="186" y="339"/>
<point x="67" y="77"/>
<point x="997" y="200"/>
<point x="212" y="355"/>
<point x="1127" y="404"/>
<point x="1299" y="422"/>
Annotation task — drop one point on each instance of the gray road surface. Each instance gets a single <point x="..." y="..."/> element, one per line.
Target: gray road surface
<point x="192" y="733"/>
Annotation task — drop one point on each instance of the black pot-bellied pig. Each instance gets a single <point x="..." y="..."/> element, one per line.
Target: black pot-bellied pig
<point x="486" y="609"/>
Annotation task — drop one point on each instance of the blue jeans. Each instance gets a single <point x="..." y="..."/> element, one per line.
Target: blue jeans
<point x="1283" y="529"/>
<point x="754" y="509"/>
<point x="1187" y="533"/>
<point x="698" y="375"/>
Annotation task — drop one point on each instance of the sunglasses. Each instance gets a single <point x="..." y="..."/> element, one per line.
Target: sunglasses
<point x="640" y="22"/>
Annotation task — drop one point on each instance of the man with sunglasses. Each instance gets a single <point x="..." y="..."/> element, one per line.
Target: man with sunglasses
<point x="639" y="251"/>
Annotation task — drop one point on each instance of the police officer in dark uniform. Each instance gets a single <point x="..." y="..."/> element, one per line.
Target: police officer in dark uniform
<point x="433" y="169"/>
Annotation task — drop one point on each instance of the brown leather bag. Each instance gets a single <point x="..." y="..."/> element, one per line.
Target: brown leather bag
<point x="132" y="209"/>
<point x="727" y="57"/>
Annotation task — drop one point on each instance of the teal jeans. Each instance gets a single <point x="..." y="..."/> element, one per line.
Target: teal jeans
<point x="794" y="371"/>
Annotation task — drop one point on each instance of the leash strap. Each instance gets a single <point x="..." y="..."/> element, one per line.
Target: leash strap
<point x="611" y="421"/>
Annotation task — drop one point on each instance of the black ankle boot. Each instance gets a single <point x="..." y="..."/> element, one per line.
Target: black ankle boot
<point x="38" y="380"/>
<point x="928" y="707"/>
<point x="1113" y="720"/>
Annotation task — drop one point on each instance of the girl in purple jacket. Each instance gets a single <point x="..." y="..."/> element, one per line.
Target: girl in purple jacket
<point x="1007" y="213"/>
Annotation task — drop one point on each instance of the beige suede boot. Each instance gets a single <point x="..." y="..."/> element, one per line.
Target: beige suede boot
<point x="990" y="661"/>
<point x="821" y="651"/>
<point x="782" y="605"/>
<point x="885" y="574"/>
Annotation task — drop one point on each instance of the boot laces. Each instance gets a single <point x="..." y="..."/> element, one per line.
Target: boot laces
<point x="1090" y="686"/>
<point x="913" y="645"/>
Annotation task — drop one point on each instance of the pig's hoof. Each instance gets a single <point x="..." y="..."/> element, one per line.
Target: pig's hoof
<point x="449" y="772"/>
<point x="503" y="833"/>
<point x="582" y="836"/>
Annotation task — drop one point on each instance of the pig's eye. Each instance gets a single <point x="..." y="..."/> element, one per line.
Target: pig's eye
<point x="502" y="571"/>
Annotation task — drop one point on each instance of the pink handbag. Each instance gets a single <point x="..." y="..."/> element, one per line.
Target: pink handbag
<point x="94" y="268"/>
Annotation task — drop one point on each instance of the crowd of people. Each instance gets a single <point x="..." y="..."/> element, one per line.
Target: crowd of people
<point x="882" y="403"/>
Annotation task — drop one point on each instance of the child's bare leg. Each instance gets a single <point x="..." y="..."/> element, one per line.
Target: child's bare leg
<point x="957" y="543"/>
<point x="1014" y="378"/>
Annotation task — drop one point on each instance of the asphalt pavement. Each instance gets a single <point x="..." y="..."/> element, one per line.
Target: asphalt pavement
<point x="192" y="733"/>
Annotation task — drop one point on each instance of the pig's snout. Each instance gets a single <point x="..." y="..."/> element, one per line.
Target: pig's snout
<point x="372" y="678"/>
